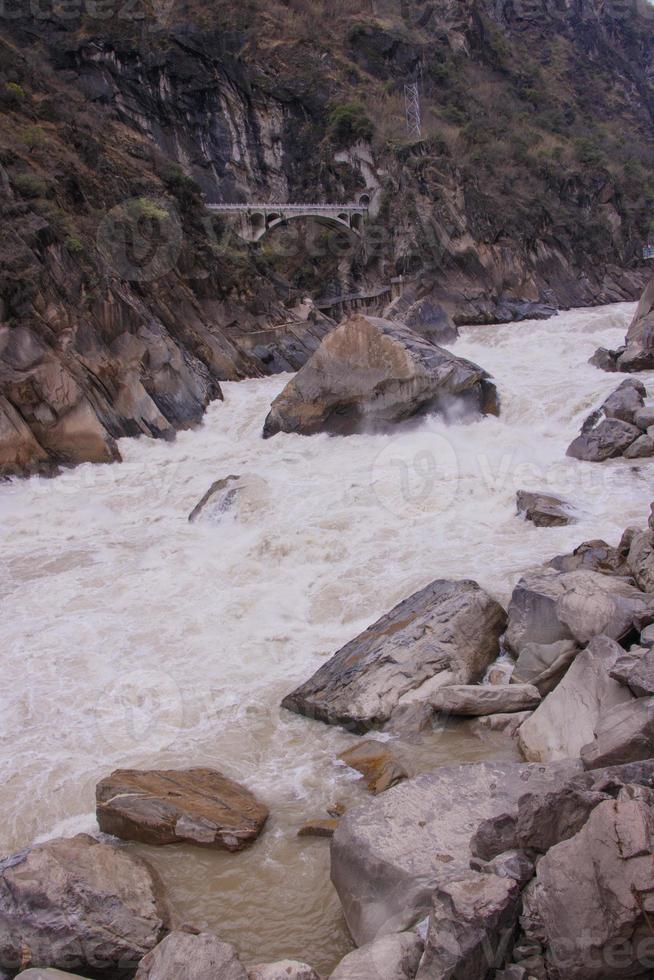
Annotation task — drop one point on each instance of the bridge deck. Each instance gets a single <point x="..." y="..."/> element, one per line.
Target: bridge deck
<point x="336" y="208"/>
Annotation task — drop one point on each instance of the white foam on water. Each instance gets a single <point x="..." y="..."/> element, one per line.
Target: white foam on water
<point x="133" y="638"/>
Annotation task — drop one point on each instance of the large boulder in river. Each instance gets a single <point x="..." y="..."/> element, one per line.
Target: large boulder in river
<point x="448" y="633"/>
<point x="565" y="721"/>
<point x="194" y="806"/>
<point x="547" y="606"/>
<point x="591" y="903"/>
<point x="185" y="956"/>
<point x="369" y="373"/>
<point x="390" y="854"/>
<point x="638" y="352"/>
<point x="77" y="904"/>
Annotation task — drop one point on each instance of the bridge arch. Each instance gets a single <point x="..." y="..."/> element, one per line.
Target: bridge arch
<point x="340" y="221"/>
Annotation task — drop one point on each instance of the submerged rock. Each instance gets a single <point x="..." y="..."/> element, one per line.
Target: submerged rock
<point x="376" y="762"/>
<point x="448" y="633"/>
<point x="370" y="373"/>
<point x="183" y="956"/>
<point x="196" y="806"/>
<point x="543" y="510"/>
<point x="390" y="854"/>
<point x="319" y="828"/>
<point x="243" y="495"/>
<point x="77" y="904"/>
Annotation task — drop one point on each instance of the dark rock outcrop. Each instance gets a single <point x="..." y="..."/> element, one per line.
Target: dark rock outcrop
<point x="543" y="509"/>
<point x="369" y="373"/>
<point x="77" y="904"/>
<point x="196" y="806"/>
<point x="447" y="633"/>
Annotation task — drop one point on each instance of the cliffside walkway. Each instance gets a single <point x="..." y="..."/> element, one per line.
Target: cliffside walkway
<point x="256" y="220"/>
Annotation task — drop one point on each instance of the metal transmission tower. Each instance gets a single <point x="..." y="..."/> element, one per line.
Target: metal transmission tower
<point x="412" y="107"/>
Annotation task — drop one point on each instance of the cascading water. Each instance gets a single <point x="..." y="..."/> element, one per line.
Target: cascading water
<point x="132" y="638"/>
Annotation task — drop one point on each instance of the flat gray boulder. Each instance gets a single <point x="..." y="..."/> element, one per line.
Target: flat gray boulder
<point x="485" y="699"/>
<point x="185" y="956"/>
<point x="394" y="957"/>
<point x="549" y="606"/>
<point x="591" y="902"/>
<point x="472" y="916"/>
<point x="448" y="633"/>
<point x="77" y="904"/>
<point x="565" y="720"/>
<point x="623" y="733"/>
<point x="370" y="373"/>
<point x="391" y="853"/>
<point x="544" y="509"/>
<point x="172" y="806"/>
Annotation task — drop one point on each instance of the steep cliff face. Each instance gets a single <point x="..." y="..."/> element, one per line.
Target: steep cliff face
<point x="123" y="304"/>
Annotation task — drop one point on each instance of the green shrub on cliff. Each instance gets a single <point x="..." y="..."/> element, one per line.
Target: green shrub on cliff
<point x="348" y="123"/>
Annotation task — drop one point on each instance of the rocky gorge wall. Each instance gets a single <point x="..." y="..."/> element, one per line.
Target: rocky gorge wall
<point x="123" y="305"/>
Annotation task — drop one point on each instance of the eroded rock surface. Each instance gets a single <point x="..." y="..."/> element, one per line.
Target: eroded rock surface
<point x="481" y="699"/>
<point x="369" y="373"/>
<point x="448" y="633"/>
<point x="197" y="806"/>
<point x="184" y="956"/>
<point x="390" y="854"/>
<point x="592" y="899"/>
<point x="77" y="904"/>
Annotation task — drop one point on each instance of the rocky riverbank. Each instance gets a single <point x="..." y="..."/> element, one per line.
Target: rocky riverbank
<point x="506" y="870"/>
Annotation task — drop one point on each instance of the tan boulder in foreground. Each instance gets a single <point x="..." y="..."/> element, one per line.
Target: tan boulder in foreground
<point x="369" y="373"/>
<point x="196" y="806"/>
<point x="80" y="905"/>
<point x="184" y="956"/>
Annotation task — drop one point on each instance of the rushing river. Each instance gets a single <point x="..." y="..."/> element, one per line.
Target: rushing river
<point x="131" y="638"/>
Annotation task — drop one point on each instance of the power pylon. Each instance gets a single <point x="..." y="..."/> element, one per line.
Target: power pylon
<point x="412" y="108"/>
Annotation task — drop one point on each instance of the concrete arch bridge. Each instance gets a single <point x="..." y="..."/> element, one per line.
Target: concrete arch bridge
<point x="253" y="221"/>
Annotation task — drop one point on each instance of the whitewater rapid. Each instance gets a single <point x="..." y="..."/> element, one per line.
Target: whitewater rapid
<point x="131" y="638"/>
